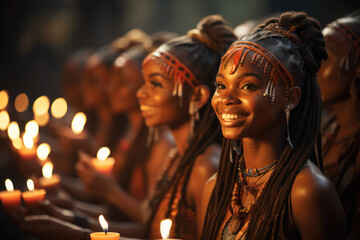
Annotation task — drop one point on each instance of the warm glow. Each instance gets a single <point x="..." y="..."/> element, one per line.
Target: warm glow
<point x="21" y="102"/>
<point x="13" y="130"/>
<point x="47" y="170"/>
<point x="42" y="120"/>
<point x="32" y="128"/>
<point x="4" y="120"/>
<point x="4" y="99"/>
<point x="165" y="226"/>
<point x="103" y="153"/>
<point x="41" y="105"/>
<point x="28" y="140"/>
<point x="78" y="123"/>
<point x="17" y="143"/>
<point x="43" y="151"/>
<point x="103" y="223"/>
<point x="59" y="108"/>
<point x="9" y="185"/>
<point x="30" y="184"/>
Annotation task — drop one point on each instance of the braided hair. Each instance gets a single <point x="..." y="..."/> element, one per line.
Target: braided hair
<point x="200" y="51"/>
<point x="302" y="60"/>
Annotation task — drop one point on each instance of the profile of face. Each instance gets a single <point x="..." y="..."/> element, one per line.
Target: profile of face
<point x="157" y="104"/>
<point x="240" y="104"/>
<point x="94" y="84"/>
<point x="334" y="80"/>
<point x="125" y="80"/>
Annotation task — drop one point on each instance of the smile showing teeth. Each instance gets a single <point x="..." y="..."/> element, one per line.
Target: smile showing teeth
<point x="230" y="117"/>
<point x="145" y="108"/>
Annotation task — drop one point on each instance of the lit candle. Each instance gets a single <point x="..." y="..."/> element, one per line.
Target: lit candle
<point x="59" y="108"/>
<point x="165" y="227"/>
<point x="10" y="198"/>
<point x="78" y="122"/>
<point x="49" y="180"/>
<point x="104" y="235"/>
<point x="33" y="196"/>
<point x="43" y="152"/>
<point x="26" y="150"/>
<point x="102" y="163"/>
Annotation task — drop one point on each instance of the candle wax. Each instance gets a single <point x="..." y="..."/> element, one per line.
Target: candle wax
<point x="31" y="198"/>
<point x="10" y="199"/>
<point x="105" y="166"/>
<point x="103" y="236"/>
<point x="27" y="153"/>
<point x="51" y="182"/>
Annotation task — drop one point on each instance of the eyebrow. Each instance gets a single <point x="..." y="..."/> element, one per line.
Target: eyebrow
<point x="158" y="74"/>
<point x="243" y="75"/>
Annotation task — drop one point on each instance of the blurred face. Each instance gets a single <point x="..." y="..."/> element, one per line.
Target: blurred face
<point x="239" y="103"/>
<point x="123" y="87"/>
<point x="334" y="80"/>
<point x="157" y="104"/>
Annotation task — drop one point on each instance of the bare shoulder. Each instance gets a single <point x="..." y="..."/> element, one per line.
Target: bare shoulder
<point x="209" y="159"/>
<point x="316" y="207"/>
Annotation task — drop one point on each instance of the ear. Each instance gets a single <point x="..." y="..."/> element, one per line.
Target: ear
<point x="293" y="98"/>
<point x="201" y="95"/>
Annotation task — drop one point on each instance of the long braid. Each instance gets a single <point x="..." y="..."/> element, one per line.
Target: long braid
<point x="267" y="216"/>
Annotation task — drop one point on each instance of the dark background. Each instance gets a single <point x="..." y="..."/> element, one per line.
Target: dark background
<point x="37" y="36"/>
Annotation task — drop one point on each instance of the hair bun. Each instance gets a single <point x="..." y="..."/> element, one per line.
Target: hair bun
<point x="214" y="33"/>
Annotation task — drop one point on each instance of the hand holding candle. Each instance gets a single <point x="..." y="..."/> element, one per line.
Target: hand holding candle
<point x="33" y="196"/>
<point x="104" y="235"/>
<point x="11" y="198"/>
<point x="102" y="163"/>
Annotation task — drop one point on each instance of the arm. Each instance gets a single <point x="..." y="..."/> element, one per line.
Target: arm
<point x="208" y="189"/>
<point x="316" y="208"/>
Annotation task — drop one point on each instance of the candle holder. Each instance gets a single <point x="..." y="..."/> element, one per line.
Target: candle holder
<point x="104" y="236"/>
<point x="10" y="198"/>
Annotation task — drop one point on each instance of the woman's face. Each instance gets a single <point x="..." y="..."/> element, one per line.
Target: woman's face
<point x="334" y="81"/>
<point x="240" y="105"/>
<point x="157" y="104"/>
<point x="124" y="83"/>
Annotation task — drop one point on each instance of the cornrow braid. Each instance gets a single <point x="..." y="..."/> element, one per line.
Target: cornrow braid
<point x="268" y="215"/>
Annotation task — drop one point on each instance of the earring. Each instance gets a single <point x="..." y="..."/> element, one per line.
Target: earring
<point x="235" y="147"/>
<point x="195" y="116"/>
<point x="153" y="136"/>
<point x="287" y="113"/>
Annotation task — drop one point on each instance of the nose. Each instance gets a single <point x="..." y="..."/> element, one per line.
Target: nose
<point x="228" y="98"/>
<point x="141" y="92"/>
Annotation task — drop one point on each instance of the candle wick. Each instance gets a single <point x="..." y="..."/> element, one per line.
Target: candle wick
<point x="106" y="232"/>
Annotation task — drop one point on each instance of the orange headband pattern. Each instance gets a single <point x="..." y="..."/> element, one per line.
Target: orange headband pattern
<point x="174" y="69"/>
<point x="348" y="33"/>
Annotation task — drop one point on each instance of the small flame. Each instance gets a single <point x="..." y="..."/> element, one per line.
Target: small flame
<point x="28" y="140"/>
<point x="43" y="151"/>
<point x="165" y="227"/>
<point x="78" y="123"/>
<point x="41" y="105"/>
<point x="30" y="184"/>
<point x="59" y="108"/>
<point x="47" y="170"/>
<point x="4" y="120"/>
<point x="13" y="130"/>
<point x="9" y="185"/>
<point x="17" y="143"/>
<point x="43" y="119"/>
<point x="32" y="128"/>
<point x="4" y="99"/>
<point x="103" y="223"/>
<point x="103" y="153"/>
<point x="21" y="102"/>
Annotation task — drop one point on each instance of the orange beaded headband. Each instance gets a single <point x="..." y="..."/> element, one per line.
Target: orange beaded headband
<point x="262" y="58"/>
<point x="174" y="69"/>
<point x="348" y="33"/>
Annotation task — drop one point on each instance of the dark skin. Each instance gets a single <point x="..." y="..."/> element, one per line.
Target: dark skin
<point x="246" y="114"/>
<point x="159" y="107"/>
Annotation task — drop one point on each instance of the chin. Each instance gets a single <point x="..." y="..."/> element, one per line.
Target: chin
<point x="231" y="133"/>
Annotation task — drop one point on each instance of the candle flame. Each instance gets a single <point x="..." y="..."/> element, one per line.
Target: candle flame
<point x="165" y="226"/>
<point x="9" y="185"/>
<point x="103" y="223"/>
<point x="41" y="105"/>
<point x="4" y="99"/>
<point x="47" y="170"/>
<point x="59" y="108"/>
<point x="32" y="128"/>
<point x="103" y="153"/>
<point x="30" y="185"/>
<point x="78" y="123"/>
<point x="28" y="140"/>
<point x="4" y="120"/>
<point x="17" y="143"/>
<point x="21" y="102"/>
<point x="43" y="151"/>
<point x="43" y="119"/>
<point x="13" y="130"/>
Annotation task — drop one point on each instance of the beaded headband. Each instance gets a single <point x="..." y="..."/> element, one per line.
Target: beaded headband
<point x="348" y="33"/>
<point x="262" y="58"/>
<point x="174" y="69"/>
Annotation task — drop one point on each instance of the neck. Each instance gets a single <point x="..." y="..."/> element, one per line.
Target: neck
<point x="348" y="117"/>
<point x="135" y="120"/>
<point x="181" y="135"/>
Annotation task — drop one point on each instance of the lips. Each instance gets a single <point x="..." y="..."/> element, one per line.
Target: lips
<point x="232" y="118"/>
<point x="146" y="110"/>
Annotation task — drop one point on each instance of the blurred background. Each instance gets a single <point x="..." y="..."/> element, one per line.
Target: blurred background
<point x="37" y="36"/>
